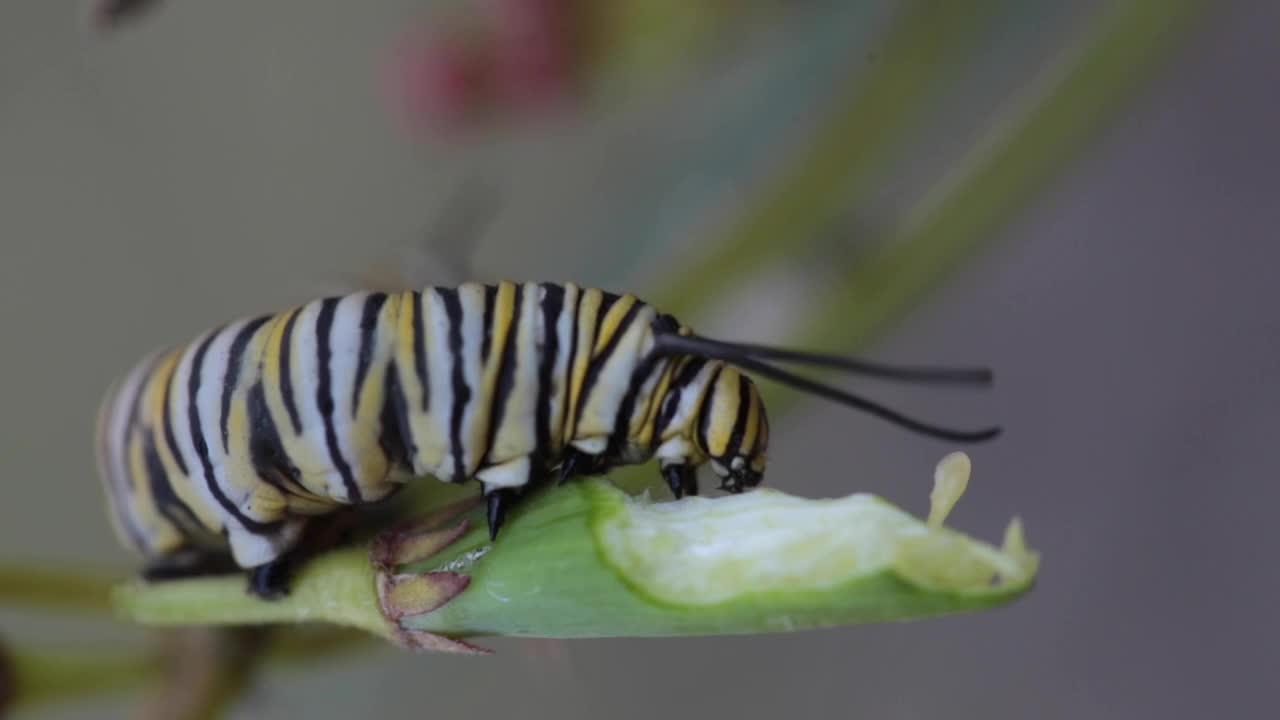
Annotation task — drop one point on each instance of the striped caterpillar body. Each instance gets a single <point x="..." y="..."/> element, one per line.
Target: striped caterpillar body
<point x="228" y="446"/>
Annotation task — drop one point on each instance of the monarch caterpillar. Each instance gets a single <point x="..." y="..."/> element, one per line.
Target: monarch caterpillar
<point x="221" y="450"/>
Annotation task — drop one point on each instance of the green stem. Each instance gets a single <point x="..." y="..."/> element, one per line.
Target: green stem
<point x="30" y="677"/>
<point x="44" y="676"/>
<point x="336" y="588"/>
<point x="51" y="589"/>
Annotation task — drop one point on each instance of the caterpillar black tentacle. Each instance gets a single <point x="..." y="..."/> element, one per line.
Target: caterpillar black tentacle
<point x="219" y="453"/>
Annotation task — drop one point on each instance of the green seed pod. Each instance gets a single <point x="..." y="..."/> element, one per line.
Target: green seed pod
<point x="588" y="560"/>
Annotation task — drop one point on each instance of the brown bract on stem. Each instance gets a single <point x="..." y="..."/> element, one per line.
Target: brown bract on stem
<point x="405" y="595"/>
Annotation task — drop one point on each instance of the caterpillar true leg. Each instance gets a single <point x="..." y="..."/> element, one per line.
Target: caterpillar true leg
<point x="271" y="580"/>
<point x="577" y="463"/>
<point x="499" y="503"/>
<point x="189" y="564"/>
<point x="682" y="479"/>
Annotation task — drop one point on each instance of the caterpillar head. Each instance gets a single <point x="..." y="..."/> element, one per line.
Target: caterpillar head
<point x="713" y="412"/>
<point x="731" y="430"/>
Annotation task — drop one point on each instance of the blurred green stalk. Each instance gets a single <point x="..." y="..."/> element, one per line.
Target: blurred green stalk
<point x="921" y="50"/>
<point x="30" y="677"/>
<point x="966" y="210"/>
<point x="202" y="670"/>
<point x="54" y="589"/>
<point x="969" y="207"/>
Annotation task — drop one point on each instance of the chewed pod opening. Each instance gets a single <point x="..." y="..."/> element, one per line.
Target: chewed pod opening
<point x="703" y="551"/>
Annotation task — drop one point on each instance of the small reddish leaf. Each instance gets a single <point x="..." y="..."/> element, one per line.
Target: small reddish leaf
<point x="413" y="544"/>
<point x="421" y="640"/>
<point x="405" y="595"/>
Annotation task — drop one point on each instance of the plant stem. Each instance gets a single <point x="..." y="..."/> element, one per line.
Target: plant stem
<point x="337" y="588"/>
<point x="42" y="676"/>
<point x="54" y="589"/>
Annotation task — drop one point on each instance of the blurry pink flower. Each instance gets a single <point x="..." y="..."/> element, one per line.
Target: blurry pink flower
<point x="535" y="50"/>
<point x="436" y="79"/>
<point x="521" y="56"/>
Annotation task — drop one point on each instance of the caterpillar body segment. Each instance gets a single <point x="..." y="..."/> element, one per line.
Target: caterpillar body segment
<point x="219" y="453"/>
<point x="231" y="442"/>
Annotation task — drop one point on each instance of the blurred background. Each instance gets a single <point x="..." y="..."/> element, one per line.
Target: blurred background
<point x="1077" y="194"/>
